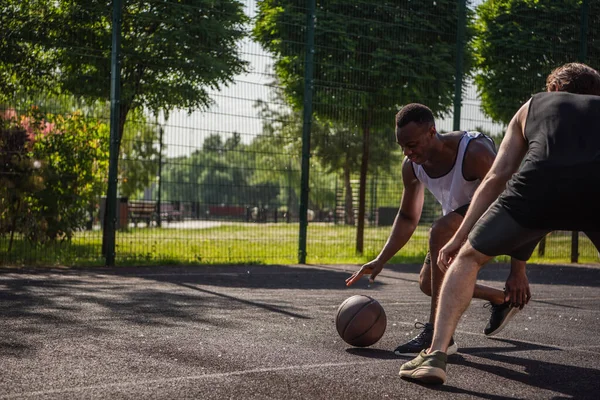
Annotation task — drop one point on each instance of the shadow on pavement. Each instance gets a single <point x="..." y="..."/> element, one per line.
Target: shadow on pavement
<point x="38" y="301"/>
<point x="372" y="353"/>
<point x="517" y="345"/>
<point x="573" y="381"/>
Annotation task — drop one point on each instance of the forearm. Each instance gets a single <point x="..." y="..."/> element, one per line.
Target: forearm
<point x="401" y="232"/>
<point x="517" y="267"/>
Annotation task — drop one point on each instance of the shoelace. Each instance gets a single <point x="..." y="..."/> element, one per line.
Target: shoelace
<point x="492" y="306"/>
<point x="420" y="338"/>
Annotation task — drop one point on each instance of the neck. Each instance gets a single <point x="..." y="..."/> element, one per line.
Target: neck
<point x="439" y="152"/>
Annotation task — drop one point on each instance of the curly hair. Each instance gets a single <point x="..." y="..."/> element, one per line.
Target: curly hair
<point x="414" y="112"/>
<point x="574" y="78"/>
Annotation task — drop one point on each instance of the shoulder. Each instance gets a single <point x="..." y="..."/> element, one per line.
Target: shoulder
<point x="480" y="144"/>
<point x="479" y="157"/>
<point x="452" y="138"/>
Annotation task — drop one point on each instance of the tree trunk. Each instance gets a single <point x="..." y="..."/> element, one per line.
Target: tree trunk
<point x="123" y="111"/>
<point x="362" y="194"/>
<point x="14" y="226"/>
<point x="348" y="206"/>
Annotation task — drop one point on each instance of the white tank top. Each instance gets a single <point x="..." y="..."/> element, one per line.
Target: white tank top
<point x="452" y="190"/>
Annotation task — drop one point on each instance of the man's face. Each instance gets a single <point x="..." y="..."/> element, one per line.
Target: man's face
<point x="415" y="140"/>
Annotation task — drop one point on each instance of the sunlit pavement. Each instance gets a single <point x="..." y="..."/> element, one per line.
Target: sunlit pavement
<point x="267" y="332"/>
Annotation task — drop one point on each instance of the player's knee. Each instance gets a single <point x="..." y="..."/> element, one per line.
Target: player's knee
<point x="468" y="257"/>
<point x="439" y="234"/>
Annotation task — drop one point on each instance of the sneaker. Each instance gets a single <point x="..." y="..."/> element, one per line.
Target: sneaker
<point x="422" y="342"/>
<point x="501" y="314"/>
<point x="426" y="368"/>
<point x="452" y="347"/>
<point x="419" y="343"/>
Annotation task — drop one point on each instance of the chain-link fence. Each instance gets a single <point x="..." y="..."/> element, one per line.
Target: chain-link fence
<point x="251" y="131"/>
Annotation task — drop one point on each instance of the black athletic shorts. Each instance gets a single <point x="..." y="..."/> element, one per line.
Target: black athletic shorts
<point x="462" y="211"/>
<point x="497" y="233"/>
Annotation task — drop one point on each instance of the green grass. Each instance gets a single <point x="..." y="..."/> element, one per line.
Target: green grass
<point x="240" y="243"/>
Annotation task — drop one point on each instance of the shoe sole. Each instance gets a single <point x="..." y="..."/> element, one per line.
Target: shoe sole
<point x="407" y="353"/>
<point x="430" y="375"/>
<point x="509" y="316"/>
<point x="452" y="349"/>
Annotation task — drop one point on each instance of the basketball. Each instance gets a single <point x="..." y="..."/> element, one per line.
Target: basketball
<point x="360" y="321"/>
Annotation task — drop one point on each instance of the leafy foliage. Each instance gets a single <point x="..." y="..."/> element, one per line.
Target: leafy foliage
<point x="519" y="42"/>
<point x="58" y="172"/>
<point x="371" y="55"/>
<point x="369" y="59"/>
<point x="173" y="53"/>
<point x="221" y="173"/>
<point x="140" y="149"/>
<point x="17" y="177"/>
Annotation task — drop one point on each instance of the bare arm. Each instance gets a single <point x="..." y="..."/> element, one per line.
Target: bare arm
<point x="408" y="215"/>
<point x="511" y="153"/>
<point x="404" y="226"/>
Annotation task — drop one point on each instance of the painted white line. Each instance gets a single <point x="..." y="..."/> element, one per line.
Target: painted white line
<point x="189" y="378"/>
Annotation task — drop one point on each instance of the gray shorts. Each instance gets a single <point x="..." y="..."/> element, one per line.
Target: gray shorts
<point x="497" y="233"/>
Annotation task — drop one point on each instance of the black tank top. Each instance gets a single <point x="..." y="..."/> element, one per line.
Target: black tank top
<point x="557" y="186"/>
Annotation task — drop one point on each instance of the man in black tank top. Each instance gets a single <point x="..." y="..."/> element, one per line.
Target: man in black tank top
<point x="546" y="177"/>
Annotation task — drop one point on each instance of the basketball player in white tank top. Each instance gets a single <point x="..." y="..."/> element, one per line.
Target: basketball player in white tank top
<point x="451" y="166"/>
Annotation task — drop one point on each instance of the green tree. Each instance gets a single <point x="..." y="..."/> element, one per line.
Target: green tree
<point x="55" y="167"/>
<point x="370" y="57"/>
<point x="74" y="165"/>
<point x="140" y="150"/>
<point x="18" y="178"/>
<point x="173" y="53"/>
<point x="223" y="172"/>
<point x="519" y="42"/>
<point x="336" y="148"/>
<point x="140" y="145"/>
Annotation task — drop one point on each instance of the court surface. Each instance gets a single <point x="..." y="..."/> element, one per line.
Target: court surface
<point x="268" y="332"/>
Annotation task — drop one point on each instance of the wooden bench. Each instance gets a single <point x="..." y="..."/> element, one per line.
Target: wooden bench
<point x="142" y="211"/>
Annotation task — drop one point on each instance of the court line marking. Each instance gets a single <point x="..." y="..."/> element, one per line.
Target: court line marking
<point x="191" y="378"/>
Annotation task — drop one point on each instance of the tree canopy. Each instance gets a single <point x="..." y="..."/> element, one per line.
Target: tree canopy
<point x="368" y="56"/>
<point x="519" y="42"/>
<point x="172" y="53"/>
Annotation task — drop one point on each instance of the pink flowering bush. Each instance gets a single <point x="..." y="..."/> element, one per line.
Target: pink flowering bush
<point x="67" y="163"/>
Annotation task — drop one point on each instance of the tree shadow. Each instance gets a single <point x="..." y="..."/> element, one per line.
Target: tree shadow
<point x="570" y="275"/>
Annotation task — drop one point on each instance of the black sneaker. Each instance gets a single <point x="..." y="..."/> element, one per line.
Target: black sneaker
<point x="422" y="342"/>
<point x="501" y="314"/>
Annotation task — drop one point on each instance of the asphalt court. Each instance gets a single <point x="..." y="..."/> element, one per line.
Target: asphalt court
<point x="268" y="332"/>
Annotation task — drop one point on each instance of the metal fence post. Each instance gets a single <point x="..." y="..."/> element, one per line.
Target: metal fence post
<point x="460" y="49"/>
<point x="574" y="247"/>
<point x="582" y="58"/>
<point x="306" y="127"/>
<point x="159" y="188"/>
<point x="115" y="103"/>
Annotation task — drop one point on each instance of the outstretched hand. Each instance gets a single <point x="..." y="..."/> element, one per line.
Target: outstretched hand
<point x="448" y="253"/>
<point x="373" y="267"/>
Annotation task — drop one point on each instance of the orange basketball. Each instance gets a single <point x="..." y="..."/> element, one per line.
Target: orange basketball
<point x="360" y="321"/>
